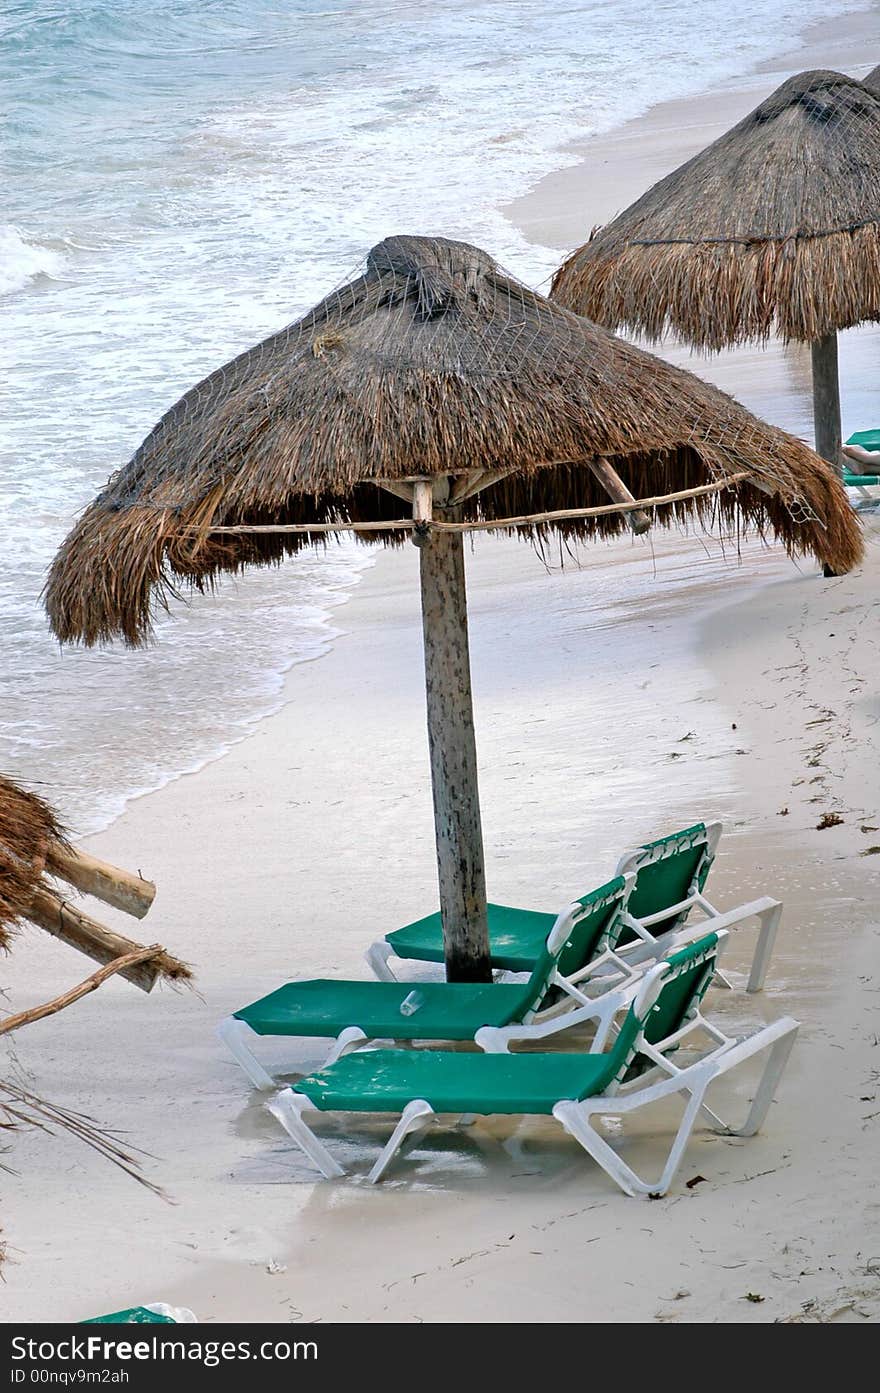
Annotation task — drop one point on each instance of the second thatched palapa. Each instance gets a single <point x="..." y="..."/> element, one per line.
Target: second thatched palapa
<point x="774" y="227"/>
<point x="433" y="383"/>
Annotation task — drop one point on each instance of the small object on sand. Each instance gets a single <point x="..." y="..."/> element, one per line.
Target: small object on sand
<point x="828" y="820"/>
<point x="866" y="827"/>
<point x="752" y="1296"/>
<point x="870" y="851"/>
<point x="273" y="1267"/>
<point x="783" y="812"/>
<point x="695" y="1180"/>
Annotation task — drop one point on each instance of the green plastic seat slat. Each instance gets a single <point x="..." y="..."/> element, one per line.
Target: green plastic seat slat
<point x="448" y="1010"/>
<point x="516" y="937"/>
<point x="386" y="1080"/>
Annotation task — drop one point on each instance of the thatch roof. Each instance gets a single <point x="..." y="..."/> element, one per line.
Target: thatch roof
<point x="27" y="828"/>
<point x="432" y="363"/>
<point x="873" y="78"/>
<point x="34" y="854"/>
<point x="774" y="226"/>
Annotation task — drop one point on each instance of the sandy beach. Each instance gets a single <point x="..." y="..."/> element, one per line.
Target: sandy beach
<point x="639" y="687"/>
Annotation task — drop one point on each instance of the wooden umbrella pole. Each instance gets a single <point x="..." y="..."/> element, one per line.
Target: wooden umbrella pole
<point x="826" y="400"/>
<point x="452" y="743"/>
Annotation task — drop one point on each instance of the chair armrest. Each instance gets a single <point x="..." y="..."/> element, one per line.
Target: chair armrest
<point x="496" y="1039"/>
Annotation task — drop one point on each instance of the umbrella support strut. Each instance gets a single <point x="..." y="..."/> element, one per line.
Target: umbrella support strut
<point x="457" y="828"/>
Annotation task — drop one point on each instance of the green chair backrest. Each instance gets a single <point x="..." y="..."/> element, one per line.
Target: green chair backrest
<point x="581" y="932"/>
<point x="669" y="995"/>
<point x="668" y="871"/>
<point x="868" y="439"/>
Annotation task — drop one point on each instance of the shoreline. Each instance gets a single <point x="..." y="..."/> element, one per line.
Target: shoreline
<point x="671" y="131"/>
<point x="682" y="125"/>
<point x="289" y="853"/>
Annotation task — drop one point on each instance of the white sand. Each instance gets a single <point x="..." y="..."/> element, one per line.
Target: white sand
<point x="288" y="855"/>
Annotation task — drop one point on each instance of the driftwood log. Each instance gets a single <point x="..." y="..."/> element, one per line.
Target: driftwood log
<point x="130" y="893"/>
<point x="63" y="920"/>
<point x="58" y="1003"/>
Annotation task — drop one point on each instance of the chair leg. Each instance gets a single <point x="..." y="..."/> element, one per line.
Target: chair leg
<point x="575" y="1118"/>
<point x="234" y="1034"/>
<point x="682" y="1136"/>
<point x="376" y="958"/>
<point x="576" y="1121"/>
<point x="415" y="1115"/>
<point x="287" y="1106"/>
<point x="347" y="1039"/>
<point x="764" y="1094"/>
<point x="769" y="921"/>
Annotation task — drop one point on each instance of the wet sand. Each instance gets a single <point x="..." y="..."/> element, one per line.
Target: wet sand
<point x="651" y="685"/>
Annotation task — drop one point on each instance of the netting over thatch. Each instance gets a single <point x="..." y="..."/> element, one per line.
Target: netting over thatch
<point x="431" y="363"/>
<point x="28" y="826"/>
<point x="773" y="227"/>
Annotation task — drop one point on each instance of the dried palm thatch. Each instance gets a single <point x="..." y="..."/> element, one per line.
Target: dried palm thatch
<point x="433" y="363"/>
<point x="873" y="79"/>
<point x="773" y="227"/>
<point x="34" y="850"/>
<point x="19" y="1108"/>
<point x="28" y="827"/>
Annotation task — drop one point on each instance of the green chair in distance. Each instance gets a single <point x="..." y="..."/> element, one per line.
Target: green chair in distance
<point x="156" y="1313"/>
<point x="863" y="449"/>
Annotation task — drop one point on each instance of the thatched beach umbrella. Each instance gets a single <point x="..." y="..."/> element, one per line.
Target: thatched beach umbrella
<point x="28" y="826"/>
<point x="873" y="79"/>
<point x="35" y="855"/>
<point x="774" y="226"/>
<point x="433" y="385"/>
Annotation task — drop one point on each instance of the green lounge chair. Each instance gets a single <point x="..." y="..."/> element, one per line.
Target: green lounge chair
<point x="157" y="1313"/>
<point x="573" y="1088"/>
<point x="864" y="446"/>
<point x="581" y="940"/>
<point x="670" y="875"/>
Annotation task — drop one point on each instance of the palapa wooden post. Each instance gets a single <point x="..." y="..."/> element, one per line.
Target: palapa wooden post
<point x="452" y="743"/>
<point x="826" y="400"/>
